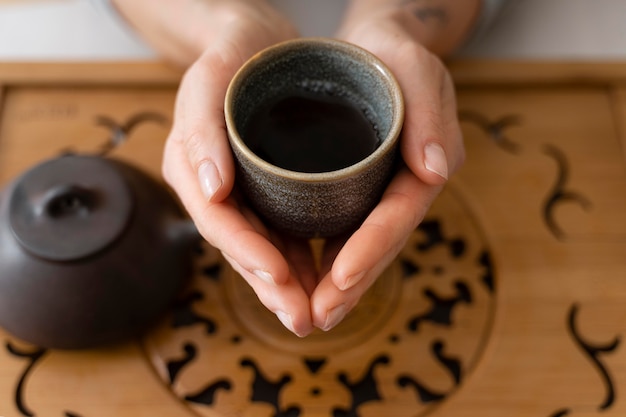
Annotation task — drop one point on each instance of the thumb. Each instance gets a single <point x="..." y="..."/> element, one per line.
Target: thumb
<point x="432" y="145"/>
<point x="200" y="131"/>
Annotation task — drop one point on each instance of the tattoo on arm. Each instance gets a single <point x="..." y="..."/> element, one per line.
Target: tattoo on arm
<point x="426" y="13"/>
<point x="431" y="13"/>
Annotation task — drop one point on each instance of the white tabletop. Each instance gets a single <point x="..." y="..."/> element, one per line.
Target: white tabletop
<point x="526" y="29"/>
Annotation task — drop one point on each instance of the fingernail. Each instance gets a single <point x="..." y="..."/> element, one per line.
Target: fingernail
<point x="334" y="317"/>
<point x="210" y="179"/>
<point x="264" y="276"/>
<point x="435" y="160"/>
<point x="286" y="320"/>
<point x="352" y="280"/>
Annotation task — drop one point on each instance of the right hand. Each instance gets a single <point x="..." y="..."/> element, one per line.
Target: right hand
<point x="198" y="165"/>
<point x="432" y="149"/>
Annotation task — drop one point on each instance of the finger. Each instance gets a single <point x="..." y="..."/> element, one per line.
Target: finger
<point x="251" y="254"/>
<point x="452" y="126"/>
<point x="426" y="146"/>
<point x="432" y="143"/>
<point x="401" y="209"/>
<point x="297" y="251"/>
<point x="223" y="225"/>
<point x="359" y="263"/>
<point x="288" y="301"/>
<point x="199" y="127"/>
<point x="300" y="257"/>
<point x="228" y="230"/>
<point x="332" y="247"/>
<point x="330" y="305"/>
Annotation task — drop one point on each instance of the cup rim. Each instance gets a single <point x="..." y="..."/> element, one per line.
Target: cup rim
<point x="385" y="146"/>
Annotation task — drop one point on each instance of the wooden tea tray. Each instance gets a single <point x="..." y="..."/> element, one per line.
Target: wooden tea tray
<point x="509" y="300"/>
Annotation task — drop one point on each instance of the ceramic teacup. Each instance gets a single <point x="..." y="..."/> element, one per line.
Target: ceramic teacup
<point x="314" y="125"/>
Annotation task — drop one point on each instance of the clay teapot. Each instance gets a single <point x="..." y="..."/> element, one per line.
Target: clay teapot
<point x="92" y="251"/>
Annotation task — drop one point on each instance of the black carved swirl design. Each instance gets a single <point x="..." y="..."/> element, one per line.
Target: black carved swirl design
<point x="266" y="391"/>
<point x="425" y="395"/>
<point x="453" y="365"/>
<point x="560" y="193"/>
<point x="183" y="314"/>
<point x="175" y="366"/>
<point x="364" y="390"/>
<point x="314" y="365"/>
<point x="207" y="395"/>
<point x="119" y="132"/>
<point x="442" y="308"/>
<point x="33" y="357"/>
<point x="494" y="129"/>
<point x="593" y="351"/>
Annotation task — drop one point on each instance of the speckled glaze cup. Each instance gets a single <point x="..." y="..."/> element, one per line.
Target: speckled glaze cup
<point x="315" y="204"/>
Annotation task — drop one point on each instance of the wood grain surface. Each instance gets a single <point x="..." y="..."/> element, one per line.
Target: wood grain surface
<point x="509" y="300"/>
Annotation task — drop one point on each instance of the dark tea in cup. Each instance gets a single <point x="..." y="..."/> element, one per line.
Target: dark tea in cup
<point x="311" y="131"/>
<point x="314" y="124"/>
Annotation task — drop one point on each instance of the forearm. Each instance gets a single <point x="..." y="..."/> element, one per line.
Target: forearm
<point x="182" y="29"/>
<point x="440" y="25"/>
<point x="175" y="28"/>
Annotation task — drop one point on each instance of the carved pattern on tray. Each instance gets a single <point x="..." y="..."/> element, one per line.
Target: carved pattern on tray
<point x="409" y="345"/>
<point x="444" y="305"/>
<point x="560" y="193"/>
<point x="593" y="352"/>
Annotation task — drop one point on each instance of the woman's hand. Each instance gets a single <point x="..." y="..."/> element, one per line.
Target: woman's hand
<point x="431" y="147"/>
<point x="214" y="38"/>
<point x="198" y="165"/>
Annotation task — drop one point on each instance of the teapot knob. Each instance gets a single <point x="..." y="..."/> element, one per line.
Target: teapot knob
<point x="69" y="208"/>
<point x="66" y="200"/>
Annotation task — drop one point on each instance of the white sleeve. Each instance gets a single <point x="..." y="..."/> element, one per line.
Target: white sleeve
<point x="106" y="10"/>
<point x="67" y="30"/>
<point x="126" y="35"/>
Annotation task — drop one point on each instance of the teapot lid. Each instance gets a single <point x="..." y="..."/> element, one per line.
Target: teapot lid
<point x="71" y="207"/>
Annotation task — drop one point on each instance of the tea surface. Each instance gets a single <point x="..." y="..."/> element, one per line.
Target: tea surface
<point x="310" y="132"/>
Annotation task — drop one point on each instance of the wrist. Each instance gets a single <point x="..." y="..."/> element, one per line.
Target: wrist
<point x="174" y="28"/>
<point x="181" y="30"/>
<point x="439" y="25"/>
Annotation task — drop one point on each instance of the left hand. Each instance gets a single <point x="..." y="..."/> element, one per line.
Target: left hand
<point x="432" y="149"/>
